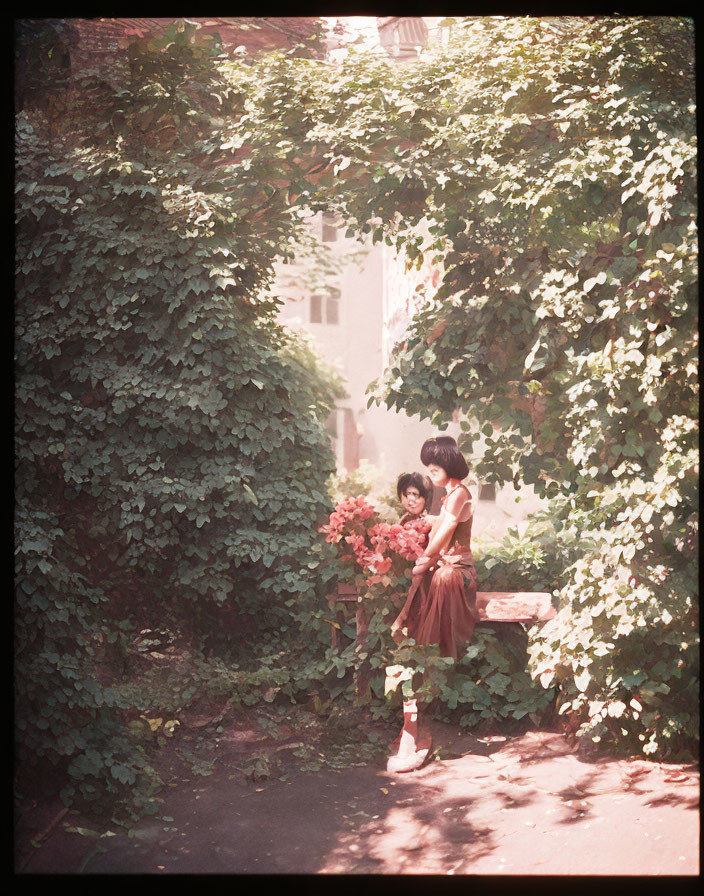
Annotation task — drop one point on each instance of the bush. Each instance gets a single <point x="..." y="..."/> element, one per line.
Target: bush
<point x="170" y="435"/>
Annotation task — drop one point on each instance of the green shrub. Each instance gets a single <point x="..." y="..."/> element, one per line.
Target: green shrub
<point x="170" y="440"/>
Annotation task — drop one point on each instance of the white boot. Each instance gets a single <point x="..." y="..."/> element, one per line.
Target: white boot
<point x="414" y="744"/>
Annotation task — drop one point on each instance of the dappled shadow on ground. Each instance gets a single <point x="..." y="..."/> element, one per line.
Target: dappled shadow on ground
<point x="485" y="806"/>
<point x="435" y="820"/>
<point x="416" y="829"/>
<point x="672" y="799"/>
<point x="481" y="803"/>
<point x="511" y="801"/>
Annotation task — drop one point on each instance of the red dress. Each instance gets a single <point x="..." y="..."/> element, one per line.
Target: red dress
<point x="441" y="607"/>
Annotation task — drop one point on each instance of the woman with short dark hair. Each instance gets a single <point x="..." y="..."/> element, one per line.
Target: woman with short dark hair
<point x="442" y="451"/>
<point x="441" y="604"/>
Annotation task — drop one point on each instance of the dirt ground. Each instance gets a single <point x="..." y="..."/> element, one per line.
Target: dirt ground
<point x="500" y="805"/>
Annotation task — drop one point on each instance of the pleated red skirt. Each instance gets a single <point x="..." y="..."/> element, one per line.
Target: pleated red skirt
<point x="443" y="607"/>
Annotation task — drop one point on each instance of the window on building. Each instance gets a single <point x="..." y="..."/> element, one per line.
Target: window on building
<point x="402" y="37"/>
<point x="331" y="424"/>
<point x="332" y="307"/>
<point x="350" y="440"/>
<point x="332" y="428"/>
<point x="487" y="492"/>
<point x="325" y="309"/>
<point x="316" y="309"/>
<point x="329" y="229"/>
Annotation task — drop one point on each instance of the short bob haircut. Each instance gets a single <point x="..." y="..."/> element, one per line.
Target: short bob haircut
<point x="443" y="452"/>
<point x="406" y="480"/>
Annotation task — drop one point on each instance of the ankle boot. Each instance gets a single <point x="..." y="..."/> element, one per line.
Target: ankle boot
<point x="414" y="743"/>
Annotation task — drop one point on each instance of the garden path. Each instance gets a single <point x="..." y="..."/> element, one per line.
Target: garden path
<point x="515" y="805"/>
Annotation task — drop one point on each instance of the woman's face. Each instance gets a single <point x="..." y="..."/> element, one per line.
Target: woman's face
<point x="412" y="500"/>
<point x="437" y="475"/>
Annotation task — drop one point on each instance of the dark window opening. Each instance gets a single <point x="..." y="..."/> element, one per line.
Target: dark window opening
<point x="331" y="424"/>
<point x="325" y="309"/>
<point x="350" y="442"/>
<point x="316" y="309"/>
<point x="333" y="310"/>
<point x="329" y="229"/>
<point x="487" y="492"/>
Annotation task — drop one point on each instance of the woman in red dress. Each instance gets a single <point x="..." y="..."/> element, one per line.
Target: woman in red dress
<point x="441" y="604"/>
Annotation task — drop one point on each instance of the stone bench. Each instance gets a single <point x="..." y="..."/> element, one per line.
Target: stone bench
<point x="515" y="606"/>
<point x="493" y="606"/>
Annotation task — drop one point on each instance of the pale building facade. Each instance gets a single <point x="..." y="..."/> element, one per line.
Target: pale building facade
<point x="346" y="316"/>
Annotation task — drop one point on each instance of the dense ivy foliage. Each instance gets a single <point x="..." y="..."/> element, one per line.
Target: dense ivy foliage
<point x="554" y="161"/>
<point x="554" y="164"/>
<point x="171" y="457"/>
<point x="170" y="445"/>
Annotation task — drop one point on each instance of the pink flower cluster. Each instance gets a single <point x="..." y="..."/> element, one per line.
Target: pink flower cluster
<point x="376" y="546"/>
<point x="344" y="514"/>
<point x="407" y="540"/>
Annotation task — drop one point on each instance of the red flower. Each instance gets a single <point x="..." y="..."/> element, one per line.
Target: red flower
<point x="383" y="565"/>
<point x="376" y="546"/>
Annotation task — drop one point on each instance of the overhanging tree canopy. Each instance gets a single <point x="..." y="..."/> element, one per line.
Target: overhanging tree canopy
<point x="555" y="163"/>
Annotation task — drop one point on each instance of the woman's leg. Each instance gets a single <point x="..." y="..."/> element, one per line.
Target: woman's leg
<point x="410" y="748"/>
<point x="450" y="614"/>
<point x="414" y="742"/>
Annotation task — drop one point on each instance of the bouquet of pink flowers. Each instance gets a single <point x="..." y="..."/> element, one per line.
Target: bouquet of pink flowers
<point x="377" y="547"/>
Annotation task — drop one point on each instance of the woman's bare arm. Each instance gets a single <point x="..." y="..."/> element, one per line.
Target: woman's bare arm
<point x="442" y="536"/>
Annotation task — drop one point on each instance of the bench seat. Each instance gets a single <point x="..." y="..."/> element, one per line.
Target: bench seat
<point x="493" y="606"/>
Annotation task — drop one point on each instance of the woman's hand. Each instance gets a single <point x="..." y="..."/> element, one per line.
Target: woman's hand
<point x="422" y="565"/>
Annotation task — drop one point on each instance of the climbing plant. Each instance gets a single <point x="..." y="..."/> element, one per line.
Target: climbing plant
<point x="554" y="163"/>
<point x="170" y="449"/>
<point x="170" y="446"/>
